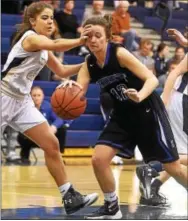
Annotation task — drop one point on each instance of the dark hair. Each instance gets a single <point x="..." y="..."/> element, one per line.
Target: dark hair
<point x="30" y="12"/>
<point x="161" y="47"/>
<point x="179" y="47"/>
<point x="105" y="21"/>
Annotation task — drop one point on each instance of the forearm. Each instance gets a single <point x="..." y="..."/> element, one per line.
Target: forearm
<point x="66" y="44"/>
<point x="70" y="70"/>
<point x="149" y="86"/>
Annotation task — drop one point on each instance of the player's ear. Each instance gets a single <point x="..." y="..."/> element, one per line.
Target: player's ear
<point x="32" y="21"/>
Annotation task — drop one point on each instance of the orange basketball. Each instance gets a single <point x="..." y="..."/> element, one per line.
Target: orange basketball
<point x="68" y="103"/>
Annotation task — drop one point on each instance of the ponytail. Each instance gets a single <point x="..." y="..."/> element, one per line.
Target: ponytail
<point x="22" y="28"/>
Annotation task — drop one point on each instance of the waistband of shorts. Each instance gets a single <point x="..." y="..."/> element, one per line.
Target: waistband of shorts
<point x="7" y="91"/>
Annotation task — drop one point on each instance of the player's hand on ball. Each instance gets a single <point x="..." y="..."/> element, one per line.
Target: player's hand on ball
<point x="69" y="83"/>
<point x="132" y="94"/>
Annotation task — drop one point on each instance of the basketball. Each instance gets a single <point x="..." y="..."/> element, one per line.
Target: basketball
<point x="68" y="103"/>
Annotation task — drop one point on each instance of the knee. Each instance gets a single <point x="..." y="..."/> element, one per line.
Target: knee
<point x="98" y="162"/>
<point x="52" y="147"/>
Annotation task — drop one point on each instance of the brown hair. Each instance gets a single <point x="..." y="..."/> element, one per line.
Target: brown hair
<point x="30" y="12"/>
<point x="105" y="22"/>
<point x="161" y="47"/>
<point x="144" y="41"/>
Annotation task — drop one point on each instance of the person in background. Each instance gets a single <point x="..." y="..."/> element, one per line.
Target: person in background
<point x="162" y="78"/>
<point x="161" y="58"/>
<point x="178" y="56"/>
<point x="57" y="125"/>
<point x="121" y="27"/>
<point x="96" y="10"/>
<point x="144" y="54"/>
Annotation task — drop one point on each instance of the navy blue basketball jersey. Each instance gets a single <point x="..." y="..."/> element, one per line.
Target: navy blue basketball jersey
<point x="112" y="78"/>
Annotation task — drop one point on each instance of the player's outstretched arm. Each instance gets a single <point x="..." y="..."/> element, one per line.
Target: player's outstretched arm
<point x="61" y="70"/>
<point x="127" y="60"/>
<point x="178" y="37"/>
<point x="83" y="78"/>
<point x="180" y="69"/>
<point x="41" y="42"/>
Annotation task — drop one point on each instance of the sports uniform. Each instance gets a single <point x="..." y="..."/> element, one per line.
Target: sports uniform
<point x="21" y="68"/>
<point x="144" y="124"/>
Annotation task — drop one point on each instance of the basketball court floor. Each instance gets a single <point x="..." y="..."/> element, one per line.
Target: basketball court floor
<point x="29" y="192"/>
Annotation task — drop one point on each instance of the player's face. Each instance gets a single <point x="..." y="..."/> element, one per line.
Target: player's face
<point x="43" y="23"/>
<point x="37" y="96"/>
<point x="97" y="39"/>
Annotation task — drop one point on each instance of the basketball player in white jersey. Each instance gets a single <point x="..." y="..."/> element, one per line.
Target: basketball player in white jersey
<point x="30" y="52"/>
<point x="175" y="98"/>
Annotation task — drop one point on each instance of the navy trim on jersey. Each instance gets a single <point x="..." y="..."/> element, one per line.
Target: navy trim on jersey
<point x="185" y="114"/>
<point x="14" y="63"/>
<point x="107" y="54"/>
<point x="184" y="83"/>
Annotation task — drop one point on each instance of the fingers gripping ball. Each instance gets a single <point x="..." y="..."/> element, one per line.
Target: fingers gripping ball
<point x="68" y="103"/>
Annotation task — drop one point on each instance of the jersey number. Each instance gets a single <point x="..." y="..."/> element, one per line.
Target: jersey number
<point x="118" y="92"/>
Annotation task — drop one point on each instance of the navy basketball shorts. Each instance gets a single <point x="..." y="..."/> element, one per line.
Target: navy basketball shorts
<point x="140" y="127"/>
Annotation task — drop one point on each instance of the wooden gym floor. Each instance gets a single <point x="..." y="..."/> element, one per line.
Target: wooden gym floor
<point x="29" y="192"/>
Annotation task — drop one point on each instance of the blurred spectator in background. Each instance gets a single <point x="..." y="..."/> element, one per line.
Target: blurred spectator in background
<point x="56" y="5"/>
<point x="144" y="54"/>
<point x="121" y="29"/>
<point x="178" y="56"/>
<point x="58" y="126"/>
<point x="162" y="78"/>
<point x="96" y="10"/>
<point x="67" y="23"/>
<point x="161" y="59"/>
<point x="11" y="156"/>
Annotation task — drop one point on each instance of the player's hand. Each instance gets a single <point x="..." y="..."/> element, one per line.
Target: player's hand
<point x="177" y="35"/>
<point x="69" y="83"/>
<point x="132" y="94"/>
<point x="85" y="33"/>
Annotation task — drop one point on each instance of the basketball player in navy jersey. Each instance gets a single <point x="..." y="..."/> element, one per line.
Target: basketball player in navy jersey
<point x="31" y="51"/>
<point x="175" y="98"/>
<point x="139" y="116"/>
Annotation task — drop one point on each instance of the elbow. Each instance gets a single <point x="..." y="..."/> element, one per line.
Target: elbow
<point x="156" y="81"/>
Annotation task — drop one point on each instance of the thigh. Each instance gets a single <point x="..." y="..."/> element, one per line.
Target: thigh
<point x="184" y="159"/>
<point x="42" y="135"/>
<point x="118" y="137"/>
<point x="27" y="117"/>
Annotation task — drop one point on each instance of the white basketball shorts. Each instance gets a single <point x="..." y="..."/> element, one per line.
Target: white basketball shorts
<point x="178" y="113"/>
<point x="21" y="115"/>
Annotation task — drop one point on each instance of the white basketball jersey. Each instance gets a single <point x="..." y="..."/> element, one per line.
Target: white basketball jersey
<point x="181" y="84"/>
<point x="21" y="68"/>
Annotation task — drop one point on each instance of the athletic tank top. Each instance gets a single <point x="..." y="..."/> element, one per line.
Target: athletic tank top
<point x="181" y="84"/>
<point x="112" y="78"/>
<point x="21" y="68"/>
